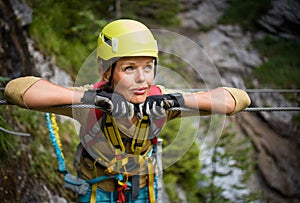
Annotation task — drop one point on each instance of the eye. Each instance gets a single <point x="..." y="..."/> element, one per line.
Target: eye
<point x="148" y="68"/>
<point x="128" y="68"/>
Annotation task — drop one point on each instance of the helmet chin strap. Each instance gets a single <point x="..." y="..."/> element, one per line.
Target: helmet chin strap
<point x="155" y="65"/>
<point x="113" y="66"/>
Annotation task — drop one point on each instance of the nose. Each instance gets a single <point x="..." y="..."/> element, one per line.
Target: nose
<point x="140" y="75"/>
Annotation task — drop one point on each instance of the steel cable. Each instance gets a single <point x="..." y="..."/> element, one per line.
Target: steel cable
<point x="15" y="133"/>
<point x="253" y="90"/>
<point x="246" y="90"/>
<point x="249" y="109"/>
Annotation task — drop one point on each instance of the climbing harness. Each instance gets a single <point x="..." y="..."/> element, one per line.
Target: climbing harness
<point x="118" y="164"/>
<point x="127" y="164"/>
<point x="102" y="130"/>
<point x="77" y="184"/>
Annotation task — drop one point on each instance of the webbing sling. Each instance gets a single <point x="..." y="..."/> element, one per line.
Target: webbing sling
<point x="151" y="171"/>
<point x="140" y="135"/>
<point x="139" y="140"/>
<point x="112" y="133"/>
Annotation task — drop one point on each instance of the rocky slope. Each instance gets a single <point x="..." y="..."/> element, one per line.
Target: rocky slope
<point x="274" y="135"/>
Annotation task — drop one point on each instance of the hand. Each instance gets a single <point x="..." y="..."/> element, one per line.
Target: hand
<point x="154" y="109"/>
<point x="155" y="106"/>
<point x="112" y="103"/>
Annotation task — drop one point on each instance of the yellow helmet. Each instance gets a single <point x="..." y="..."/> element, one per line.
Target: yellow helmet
<point x="124" y="38"/>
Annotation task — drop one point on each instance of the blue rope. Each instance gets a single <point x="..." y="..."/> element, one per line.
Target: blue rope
<point x="61" y="160"/>
<point x="58" y="152"/>
<point x="118" y="176"/>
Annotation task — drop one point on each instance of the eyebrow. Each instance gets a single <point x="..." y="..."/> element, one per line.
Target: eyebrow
<point x="133" y="63"/>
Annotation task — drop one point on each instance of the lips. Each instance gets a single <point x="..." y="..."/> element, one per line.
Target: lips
<point x="139" y="91"/>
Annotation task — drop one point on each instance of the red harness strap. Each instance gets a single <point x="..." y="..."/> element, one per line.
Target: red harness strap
<point x="121" y="193"/>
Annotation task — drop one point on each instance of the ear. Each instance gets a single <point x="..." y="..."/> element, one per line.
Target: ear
<point x="106" y="75"/>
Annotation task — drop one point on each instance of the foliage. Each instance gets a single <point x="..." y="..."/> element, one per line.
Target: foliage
<point x="67" y="30"/>
<point x="281" y="68"/>
<point x="155" y="11"/>
<point x="245" y="13"/>
<point x="185" y="171"/>
<point x="36" y="149"/>
<point x="8" y="143"/>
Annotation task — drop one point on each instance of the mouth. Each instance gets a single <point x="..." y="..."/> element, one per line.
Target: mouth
<point x="139" y="91"/>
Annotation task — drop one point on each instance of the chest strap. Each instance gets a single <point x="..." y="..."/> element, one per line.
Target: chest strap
<point x="140" y="135"/>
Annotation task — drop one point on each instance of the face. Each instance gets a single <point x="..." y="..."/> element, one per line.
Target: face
<point x="133" y="77"/>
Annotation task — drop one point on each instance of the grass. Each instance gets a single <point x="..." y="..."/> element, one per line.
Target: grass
<point x="36" y="151"/>
<point x="282" y="66"/>
<point x="64" y="32"/>
<point x="67" y="31"/>
<point x="8" y="143"/>
<point x="245" y="13"/>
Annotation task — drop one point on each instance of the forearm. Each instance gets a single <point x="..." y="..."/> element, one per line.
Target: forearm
<point x="36" y="93"/>
<point x="215" y="101"/>
<point x="44" y="94"/>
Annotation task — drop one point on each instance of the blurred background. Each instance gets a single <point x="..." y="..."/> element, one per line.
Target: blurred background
<point x="253" y="44"/>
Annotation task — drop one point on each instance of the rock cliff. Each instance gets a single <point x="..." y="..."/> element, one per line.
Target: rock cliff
<point x="274" y="135"/>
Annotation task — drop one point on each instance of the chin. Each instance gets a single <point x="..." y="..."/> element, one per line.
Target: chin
<point x="138" y="99"/>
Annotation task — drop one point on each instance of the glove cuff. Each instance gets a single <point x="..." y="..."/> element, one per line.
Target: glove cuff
<point x="178" y="99"/>
<point x="89" y="97"/>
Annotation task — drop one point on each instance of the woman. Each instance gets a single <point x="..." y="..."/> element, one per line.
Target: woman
<point x="118" y="141"/>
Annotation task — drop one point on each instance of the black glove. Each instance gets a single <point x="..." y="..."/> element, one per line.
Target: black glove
<point x="155" y="106"/>
<point x="112" y="103"/>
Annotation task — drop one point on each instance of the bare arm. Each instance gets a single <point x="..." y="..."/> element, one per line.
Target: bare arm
<point x="224" y="100"/>
<point x="218" y="100"/>
<point x="43" y="94"/>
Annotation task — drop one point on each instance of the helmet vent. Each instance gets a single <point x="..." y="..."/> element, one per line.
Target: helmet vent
<point x="107" y="40"/>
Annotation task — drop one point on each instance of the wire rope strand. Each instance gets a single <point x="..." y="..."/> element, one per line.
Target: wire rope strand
<point x="15" y="133"/>
<point x="252" y="90"/>
<point x="272" y="90"/>
<point x="267" y="90"/>
<point x="284" y="108"/>
<point x="3" y="102"/>
<point x="249" y="109"/>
